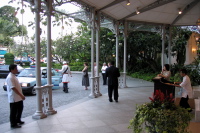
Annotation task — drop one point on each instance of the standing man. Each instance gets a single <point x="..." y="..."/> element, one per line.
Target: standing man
<point x="66" y="73"/>
<point x="112" y="73"/>
<point x="187" y="89"/>
<point x="103" y="70"/>
<point x="15" y="97"/>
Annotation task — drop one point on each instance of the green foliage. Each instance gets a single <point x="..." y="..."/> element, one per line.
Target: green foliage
<point x="9" y="58"/>
<point x="180" y="38"/>
<point x="161" y="115"/>
<point x="142" y="75"/>
<point x="9" y="25"/>
<point x="143" y="48"/>
<point x="27" y="63"/>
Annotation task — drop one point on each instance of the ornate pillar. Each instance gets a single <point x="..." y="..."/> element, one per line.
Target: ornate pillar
<point x="49" y="85"/>
<point x="98" y="93"/>
<point x="39" y="113"/>
<point x="125" y="53"/>
<point x="92" y="94"/>
<point x="117" y="42"/>
<point x="163" y="45"/>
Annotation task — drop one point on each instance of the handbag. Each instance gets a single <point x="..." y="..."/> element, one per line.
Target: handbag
<point x="85" y="74"/>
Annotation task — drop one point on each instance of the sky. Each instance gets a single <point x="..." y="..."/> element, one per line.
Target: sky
<point x="29" y="16"/>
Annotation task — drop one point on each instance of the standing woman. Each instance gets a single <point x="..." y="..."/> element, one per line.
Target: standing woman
<point x="103" y="70"/>
<point x="85" y="78"/>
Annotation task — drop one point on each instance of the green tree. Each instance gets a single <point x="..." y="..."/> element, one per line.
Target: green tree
<point x="107" y="45"/>
<point x="179" y="41"/>
<point x="143" y="49"/>
<point x="9" y="25"/>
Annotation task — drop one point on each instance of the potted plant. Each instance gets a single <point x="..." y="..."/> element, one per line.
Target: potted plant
<point x="161" y="115"/>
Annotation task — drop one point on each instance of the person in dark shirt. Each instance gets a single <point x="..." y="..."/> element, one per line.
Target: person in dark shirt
<point x="112" y="73"/>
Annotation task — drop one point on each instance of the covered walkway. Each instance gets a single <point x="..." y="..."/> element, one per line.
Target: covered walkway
<point x="95" y="115"/>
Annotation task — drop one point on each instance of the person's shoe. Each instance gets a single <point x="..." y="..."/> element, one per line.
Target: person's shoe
<point x="16" y="126"/>
<point x="21" y="122"/>
<point x="116" y="101"/>
<point x="110" y="100"/>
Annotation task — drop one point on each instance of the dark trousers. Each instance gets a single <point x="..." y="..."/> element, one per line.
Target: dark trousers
<point x="104" y="78"/>
<point x="184" y="102"/>
<point x="65" y="87"/>
<point x="16" y="112"/>
<point x="112" y="88"/>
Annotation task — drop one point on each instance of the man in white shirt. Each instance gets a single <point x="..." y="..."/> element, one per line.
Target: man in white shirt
<point x="15" y="97"/>
<point x="187" y="90"/>
<point x="66" y="72"/>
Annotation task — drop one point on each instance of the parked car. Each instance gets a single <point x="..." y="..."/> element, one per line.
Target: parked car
<point x="4" y="70"/>
<point x="2" y="62"/>
<point x="27" y="79"/>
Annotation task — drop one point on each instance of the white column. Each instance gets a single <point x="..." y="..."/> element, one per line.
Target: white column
<point x="50" y="110"/>
<point x="39" y="113"/>
<point x="125" y="53"/>
<point x="117" y="42"/>
<point x="92" y="94"/>
<point x="169" y="46"/>
<point x="97" y="54"/>
<point x="163" y="45"/>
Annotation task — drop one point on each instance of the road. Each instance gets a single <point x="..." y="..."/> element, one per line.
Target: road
<point x="76" y="92"/>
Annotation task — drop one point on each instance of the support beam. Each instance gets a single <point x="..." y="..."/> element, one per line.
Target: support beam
<point x="98" y="93"/>
<point x="92" y="94"/>
<point x="111" y="4"/>
<point x="185" y="10"/>
<point x="50" y="109"/>
<point x="169" y="45"/>
<point x="163" y="46"/>
<point x="125" y="52"/>
<point x="39" y="113"/>
<point x="153" y="5"/>
<point x="116" y="25"/>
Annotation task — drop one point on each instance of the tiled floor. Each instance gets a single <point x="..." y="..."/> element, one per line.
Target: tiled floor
<point x="96" y="115"/>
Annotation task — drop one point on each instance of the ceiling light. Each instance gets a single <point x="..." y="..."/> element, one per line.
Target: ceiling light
<point x="179" y="11"/>
<point x="137" y="11"/>
<point x="128" y="2"/>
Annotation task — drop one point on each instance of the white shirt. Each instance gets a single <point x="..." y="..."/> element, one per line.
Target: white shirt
<point x="187" y="88"/>
<point x="12" y="82"/>
<point x="64" y="67"/>
<point x="65" y="78"/>
<point x="167" y="75"/>
<point x="95" y="70"/>
<point x="103" y="69"/>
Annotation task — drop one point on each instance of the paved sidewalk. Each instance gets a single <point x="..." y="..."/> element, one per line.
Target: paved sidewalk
<point x="96" y="115"/>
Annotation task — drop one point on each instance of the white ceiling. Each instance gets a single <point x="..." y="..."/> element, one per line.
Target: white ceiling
<point x="163" y="14"/>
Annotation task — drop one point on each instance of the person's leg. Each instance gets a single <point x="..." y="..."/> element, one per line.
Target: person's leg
<point x="20" y="107"/>
<point x="116" y="95"/>
<point x="184" y="103"/>
<point x="66" y="87"/>
<point x="110" y="91"/>
<point x="104" y="78"/>
<point x="13" y="112"/>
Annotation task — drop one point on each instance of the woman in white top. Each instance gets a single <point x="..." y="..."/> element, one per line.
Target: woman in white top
<point x="103" y="70"/>
<point x="166" y="74"/>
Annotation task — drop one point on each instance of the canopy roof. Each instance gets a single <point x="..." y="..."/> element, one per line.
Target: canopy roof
<point x="151" y="11"/>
